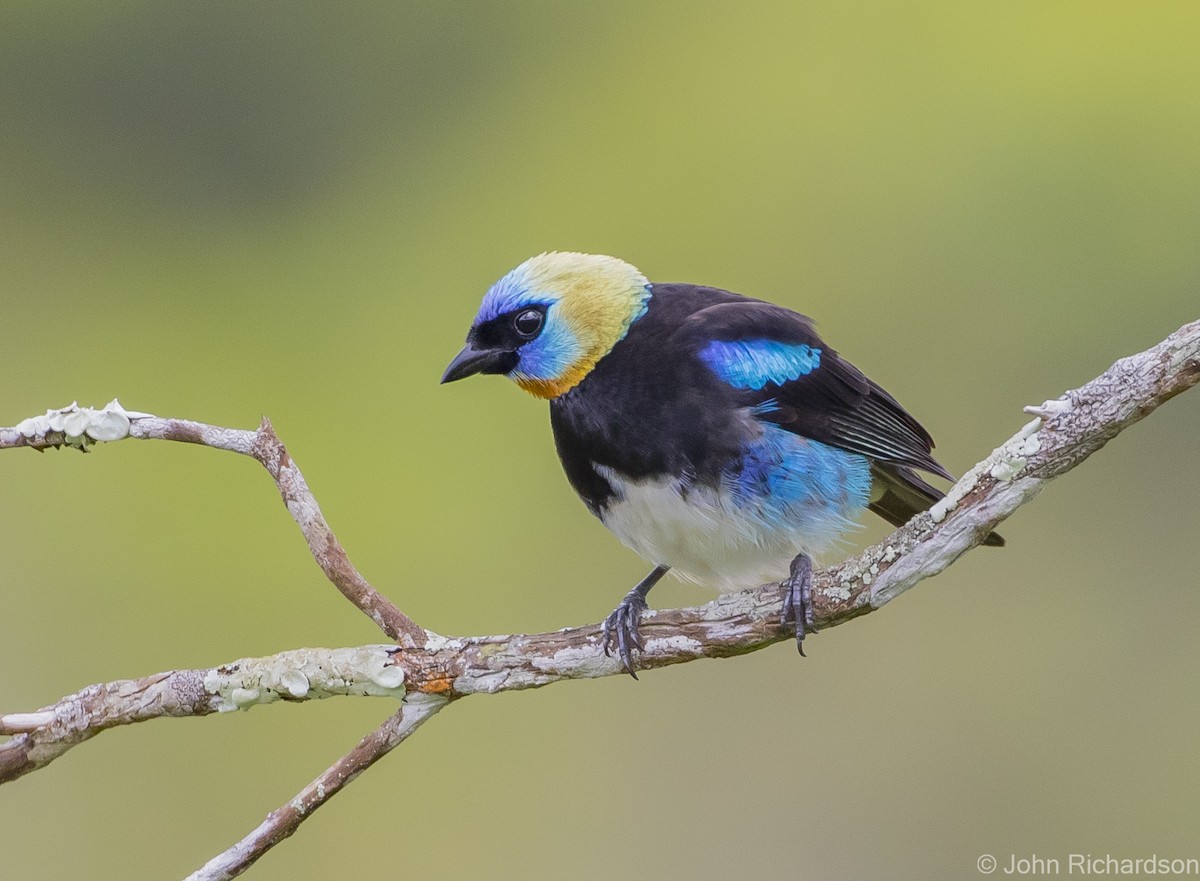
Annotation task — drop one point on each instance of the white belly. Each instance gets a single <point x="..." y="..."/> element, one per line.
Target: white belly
<point x="708" y="535"/>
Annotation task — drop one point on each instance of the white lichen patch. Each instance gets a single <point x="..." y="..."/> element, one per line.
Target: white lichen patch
<point x="676" y="643"/>
<point x="295" y="683"/>
<point x="305" y="674"/>
<point x="580" y="660"/>
<point x="243" y="698"/>
<point x="838" y="592"/>
<point x="490" y="682"/>
<point x="1008" y="469"/>
<point x="1048" y="409"/>
<point x="82" y="426"/>
<point x="1018" y="455"/>
<point x="1005" y="463"/>
<point x="729" y="605"/>
<point x="388" y="677"/>
<point x="436" y="643"/>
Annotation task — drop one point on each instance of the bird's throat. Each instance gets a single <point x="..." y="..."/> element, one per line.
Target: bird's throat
<point x="560" y="385"/>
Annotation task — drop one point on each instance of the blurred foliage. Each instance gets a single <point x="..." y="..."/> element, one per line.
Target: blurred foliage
<point x="220" y="210"/>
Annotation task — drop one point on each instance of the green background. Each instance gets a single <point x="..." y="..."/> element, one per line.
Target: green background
<point x="218" y="211"/>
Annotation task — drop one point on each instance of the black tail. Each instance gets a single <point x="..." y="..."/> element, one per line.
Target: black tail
<point x="899" y="493"/>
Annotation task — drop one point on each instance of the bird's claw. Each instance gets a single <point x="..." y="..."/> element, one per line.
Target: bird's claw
<point x="798" y="600"/>
<point x="620" y="629"/>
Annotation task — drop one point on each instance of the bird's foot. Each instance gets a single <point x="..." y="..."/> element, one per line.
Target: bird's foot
<point x="620" y="629"/>
<point x="798" y="599"/>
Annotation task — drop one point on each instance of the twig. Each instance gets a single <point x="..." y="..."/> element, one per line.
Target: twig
<point x="284" y="820"/>
<point x="436" y="669"/>
<point x="82" y="427"/>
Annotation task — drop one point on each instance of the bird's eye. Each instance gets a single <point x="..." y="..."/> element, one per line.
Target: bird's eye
<point x="529" y="322"/>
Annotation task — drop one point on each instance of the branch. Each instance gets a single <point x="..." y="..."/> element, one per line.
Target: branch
<point x="430" y="670"/>
<point x="284" y="820"/>
<point x="83" y="427"/>
<point x="303" y="674"/>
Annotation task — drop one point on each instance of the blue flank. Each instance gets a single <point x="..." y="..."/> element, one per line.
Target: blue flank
<point x="752" y="364"/>
<point x="787" y="483"/>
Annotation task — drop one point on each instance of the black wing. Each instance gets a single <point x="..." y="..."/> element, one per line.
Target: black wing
<point x="775" y="361"/>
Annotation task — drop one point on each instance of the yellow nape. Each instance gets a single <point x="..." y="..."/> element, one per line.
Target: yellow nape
<point x="597" y="297"/>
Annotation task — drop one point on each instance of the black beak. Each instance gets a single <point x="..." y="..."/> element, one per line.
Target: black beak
<point x="471" y="360"/>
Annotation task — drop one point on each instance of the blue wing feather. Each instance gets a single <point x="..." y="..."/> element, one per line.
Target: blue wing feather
<point x="753" y="364"/>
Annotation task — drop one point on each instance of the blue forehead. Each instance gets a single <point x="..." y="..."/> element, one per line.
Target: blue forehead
<point x="509" y="294"/>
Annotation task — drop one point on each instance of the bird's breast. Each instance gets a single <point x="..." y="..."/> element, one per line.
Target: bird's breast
<point x="781" y="496"/>
<point x="641" y="425"/>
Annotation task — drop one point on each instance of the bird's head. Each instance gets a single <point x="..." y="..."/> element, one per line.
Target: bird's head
<point x="547" y="323"/>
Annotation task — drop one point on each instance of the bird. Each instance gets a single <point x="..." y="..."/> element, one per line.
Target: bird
<point x="716" y="435"/>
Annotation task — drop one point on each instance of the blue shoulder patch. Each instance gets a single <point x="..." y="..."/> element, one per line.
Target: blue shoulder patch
<point x="752" y="364"/>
